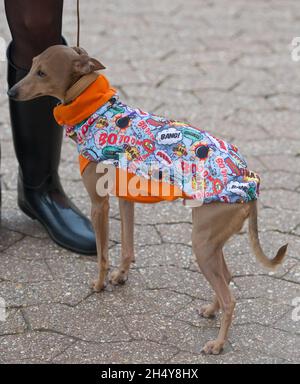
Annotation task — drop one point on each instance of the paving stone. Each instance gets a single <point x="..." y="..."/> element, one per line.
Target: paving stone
<point x="7" y="238"/>
<point x="293" y="274"/>
<point x="134" y="298"/>
<point x="14" y="323"/>
<point x="178" y="280"/>
<point x="289" y="163"/>
<point x="20" y="270"/>
<point x="144" y="234"/>
<point x="288" y="200"/>
<point x="271" y="219"/>
<point x="279" y="291"/>
<point x="32" y="347"/>
<point x="176" y="233"/>
<point x="86" y="324"/>
<point x="284" y="102"/>
<point x="265" y="341"/>
<point x="155" y="255"/>
<point x="17" y="221"/>
<point x="162" y="213"/>
<point x="279" y="179"/>
<point x="227" y="358"/>
<point x="133" y="352"/>
<point x="271" y="147"/>
<point x="260" y="311"/>
<point x="55" y="291"/>
<point x="168" y="331"/>
<point x="31" y="248"/>
<point x="290" y="322"/>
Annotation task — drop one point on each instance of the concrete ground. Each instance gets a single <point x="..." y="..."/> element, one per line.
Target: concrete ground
<point x="226" y="67"/>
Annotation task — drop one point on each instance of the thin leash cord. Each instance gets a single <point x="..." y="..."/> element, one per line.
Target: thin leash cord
<point x="78" y="24"/>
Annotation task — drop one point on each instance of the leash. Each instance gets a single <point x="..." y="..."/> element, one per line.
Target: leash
<point x="78" y="23"/>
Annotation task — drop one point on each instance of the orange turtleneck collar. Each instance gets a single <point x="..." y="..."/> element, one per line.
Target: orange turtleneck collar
<point x="92" y="98"/>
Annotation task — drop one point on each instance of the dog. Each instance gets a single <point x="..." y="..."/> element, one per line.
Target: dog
<point x="90" y="111"/>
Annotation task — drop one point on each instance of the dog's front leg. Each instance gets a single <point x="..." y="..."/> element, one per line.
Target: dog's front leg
<point x="100" y="221"/>
<point x="120" y="275"/>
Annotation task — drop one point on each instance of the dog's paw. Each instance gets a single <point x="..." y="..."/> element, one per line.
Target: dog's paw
<point x="214" y="347"/>
<point x="118" y="277"/>
<point x="208" y="311"/>
<point x="97" y="286"/>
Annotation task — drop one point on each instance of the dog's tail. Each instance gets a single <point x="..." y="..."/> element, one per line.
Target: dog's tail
<point x="255" y="244"/>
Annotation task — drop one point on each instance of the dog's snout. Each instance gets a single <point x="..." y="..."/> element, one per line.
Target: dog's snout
<point x="12" y="92"/>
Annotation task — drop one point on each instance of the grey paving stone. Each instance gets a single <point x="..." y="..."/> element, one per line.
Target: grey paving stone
<point x="287" y="200"/>
<point x="178" y="280"/>
<point x="86" y="324"/>
<point x="134" y="298"/>
<point x="279" y="179"/>
<point x="227" y="358"/>
<point x="163" y="212"/>
<point x="168" y="331"/>
<point x="17" y="221"/>
<point x="293" y="274"/>
<point x="278" y="219"/>
<point x="290" y="322"/>
<point x="55" y="291"/>
<point x="267" y="287"/>
<point x="259" y="311"/>
<point x="144" y="234"/>
<point x="32" y="347"/>
<point x="7" y="238"/>
<point x="265" y="341"/>
<point x="156" y="255"/>
<point x="288" y="163"/>
<point x="20" y="270"/>
<point x="176" y="233"/>
<point x="133" y="352"/>
<point x="14" y="322"/>
<point x="31" y="248"/>
<point x="273" y="146"/>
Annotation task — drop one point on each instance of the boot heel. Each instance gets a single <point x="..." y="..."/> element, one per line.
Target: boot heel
<point x="25" y="210"/>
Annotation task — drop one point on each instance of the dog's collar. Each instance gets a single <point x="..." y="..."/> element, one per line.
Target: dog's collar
<point x="89" y="99"/>
<point x="81" y="85"/>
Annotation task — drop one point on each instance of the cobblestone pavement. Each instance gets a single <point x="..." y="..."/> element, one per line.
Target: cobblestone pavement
<point x="224" y="66"/>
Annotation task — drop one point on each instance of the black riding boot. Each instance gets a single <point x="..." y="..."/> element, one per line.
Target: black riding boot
<point x="37" y="141"/>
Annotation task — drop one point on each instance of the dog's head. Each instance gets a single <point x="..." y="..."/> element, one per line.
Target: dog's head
<point x="53" y="72"/>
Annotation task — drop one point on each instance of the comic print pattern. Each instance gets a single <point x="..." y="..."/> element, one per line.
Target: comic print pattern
<point x="117" y="129"/>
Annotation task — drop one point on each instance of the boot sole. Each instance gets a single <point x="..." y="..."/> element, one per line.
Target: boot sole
<point x="29" y="213"/>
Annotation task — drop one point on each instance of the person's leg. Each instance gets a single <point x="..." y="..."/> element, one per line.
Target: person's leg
<point x="36" y="25"/>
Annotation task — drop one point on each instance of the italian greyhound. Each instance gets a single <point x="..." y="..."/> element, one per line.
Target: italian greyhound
<point x="67" y="73"/>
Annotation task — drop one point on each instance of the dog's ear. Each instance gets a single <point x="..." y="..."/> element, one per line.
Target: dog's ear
<point x="86" y="64"/>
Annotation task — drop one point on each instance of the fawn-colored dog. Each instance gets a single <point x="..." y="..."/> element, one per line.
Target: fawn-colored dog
<point x="54" y="73"/>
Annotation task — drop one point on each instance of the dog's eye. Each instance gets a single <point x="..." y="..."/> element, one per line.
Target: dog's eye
<point x="41" y="73"/>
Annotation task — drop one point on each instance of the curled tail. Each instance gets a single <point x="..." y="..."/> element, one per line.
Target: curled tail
<point x="255" y="244"/>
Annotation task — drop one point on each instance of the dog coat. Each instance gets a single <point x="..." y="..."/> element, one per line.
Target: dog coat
<point x="194" y="164"/>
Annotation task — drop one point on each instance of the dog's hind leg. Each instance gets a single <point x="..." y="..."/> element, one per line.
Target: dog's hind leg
<point x="210" y="262"/>
<point x="213" y="225"/>
<point x="120" y="275"/>
<point x="100" y="221"/>
<point x="210" y="310"/>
